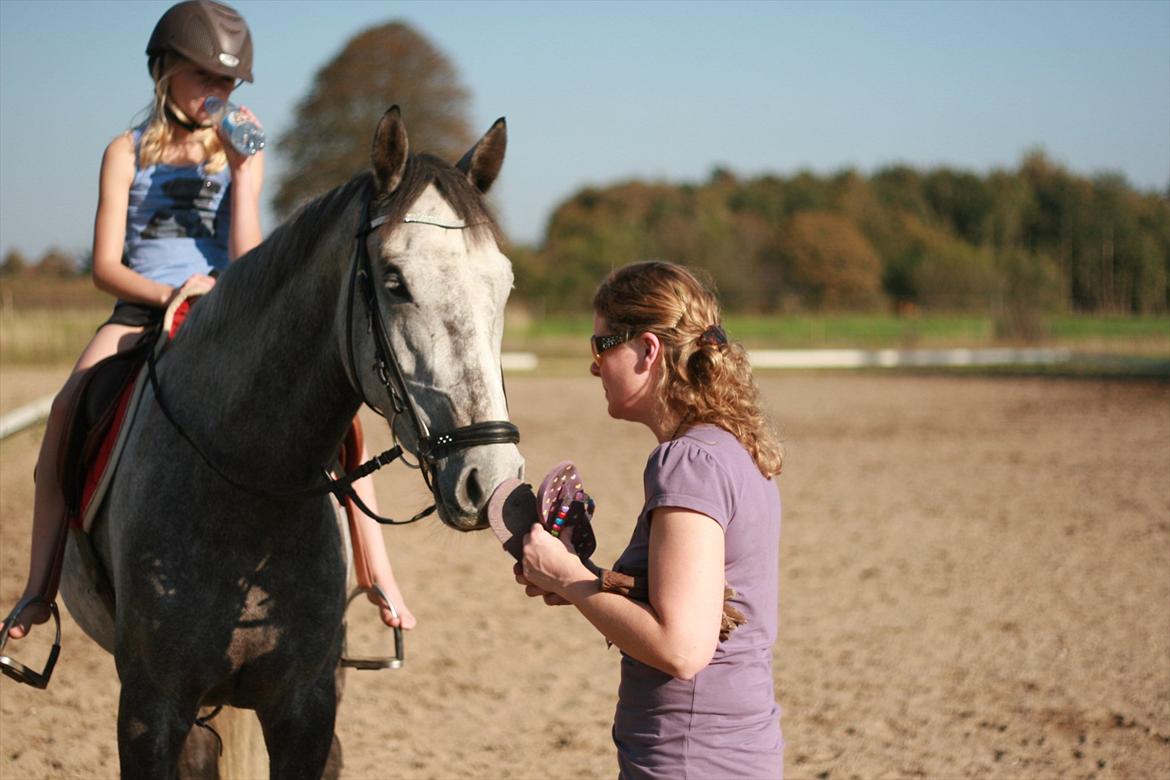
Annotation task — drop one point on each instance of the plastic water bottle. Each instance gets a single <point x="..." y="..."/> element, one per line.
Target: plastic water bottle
<point x="246" y="136"/>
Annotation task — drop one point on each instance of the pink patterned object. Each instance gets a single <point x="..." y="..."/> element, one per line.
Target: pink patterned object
<point x="561" y="505"/>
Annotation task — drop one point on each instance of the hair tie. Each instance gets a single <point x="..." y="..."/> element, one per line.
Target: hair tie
<point x="714" y="336"/>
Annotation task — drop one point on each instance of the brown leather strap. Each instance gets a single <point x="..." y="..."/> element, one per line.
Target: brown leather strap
<point x="49" y="587"/>
<point x="638" y="588"/>
<point x="625" y="585"/>
<point x="351" y="458"/>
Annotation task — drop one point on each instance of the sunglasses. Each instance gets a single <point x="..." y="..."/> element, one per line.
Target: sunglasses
<point x="602" y="344"/>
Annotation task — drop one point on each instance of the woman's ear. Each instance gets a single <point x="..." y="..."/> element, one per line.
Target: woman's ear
<point x="649" y="349"/>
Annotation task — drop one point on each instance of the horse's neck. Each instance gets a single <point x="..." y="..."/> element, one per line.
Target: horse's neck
<point x="265" y="388"/>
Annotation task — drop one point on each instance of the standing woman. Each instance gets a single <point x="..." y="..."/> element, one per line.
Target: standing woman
<point x="176" y="204"/>
<point x="689" y="704"/>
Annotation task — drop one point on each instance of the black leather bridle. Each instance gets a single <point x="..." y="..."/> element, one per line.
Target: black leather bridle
<point x="431" y="447"/>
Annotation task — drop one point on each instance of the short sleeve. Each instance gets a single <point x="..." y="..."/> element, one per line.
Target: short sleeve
<point x="683" y="473"/>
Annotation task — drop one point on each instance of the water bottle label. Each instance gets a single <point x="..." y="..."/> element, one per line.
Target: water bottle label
<point x="245" y="136"/>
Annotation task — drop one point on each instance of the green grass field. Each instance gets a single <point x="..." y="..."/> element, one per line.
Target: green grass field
<point x="1138" y="335"/>
<point x="47" y="321"/>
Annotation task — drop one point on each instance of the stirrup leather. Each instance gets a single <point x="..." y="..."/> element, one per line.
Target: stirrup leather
<point x="373" y="663"/>
<point x="15" y="669"/>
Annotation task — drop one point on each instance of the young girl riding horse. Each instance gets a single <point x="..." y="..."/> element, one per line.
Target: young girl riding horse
<point x="176" y="204"/>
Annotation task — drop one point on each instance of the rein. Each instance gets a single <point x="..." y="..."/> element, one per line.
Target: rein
<point x="431" y="448"/>
<point x="341" y="487"/>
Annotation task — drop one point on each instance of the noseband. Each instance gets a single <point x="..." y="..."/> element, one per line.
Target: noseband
<point x="431" y="447"/>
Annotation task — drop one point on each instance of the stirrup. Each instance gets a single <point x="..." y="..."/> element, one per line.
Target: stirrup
<point x="15" y="669"/>
<point x="374" y="663"/>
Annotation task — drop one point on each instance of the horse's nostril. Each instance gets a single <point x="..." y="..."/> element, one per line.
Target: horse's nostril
<point x="475" y="493"/>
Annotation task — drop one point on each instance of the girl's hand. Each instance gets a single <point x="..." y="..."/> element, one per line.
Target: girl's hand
<point x="196" y="284"/>
<point x="237" y="161"/>
<point x="547" y="563"/>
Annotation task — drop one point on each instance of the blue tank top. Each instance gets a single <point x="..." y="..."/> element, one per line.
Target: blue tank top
<point x="178" y="220"/>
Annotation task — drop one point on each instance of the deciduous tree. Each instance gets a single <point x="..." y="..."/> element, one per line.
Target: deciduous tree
<point x="14" y="263"/>
<point x="830" y="263"/>
<point x="379" y="67"/>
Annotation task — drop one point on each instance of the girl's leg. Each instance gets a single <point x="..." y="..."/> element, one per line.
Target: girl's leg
<point x="377" y="560"/>
<point x="49" y="529"/>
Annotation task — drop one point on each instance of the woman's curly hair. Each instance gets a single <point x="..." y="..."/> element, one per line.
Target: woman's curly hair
<point x="706" y="378"/>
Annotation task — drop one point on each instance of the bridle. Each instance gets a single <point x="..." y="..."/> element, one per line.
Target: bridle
<point x="431" y="447"/>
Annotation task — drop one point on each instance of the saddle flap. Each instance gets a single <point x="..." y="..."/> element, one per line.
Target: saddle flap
<point x="107" y="392"/>
<point x="97" y="404"/>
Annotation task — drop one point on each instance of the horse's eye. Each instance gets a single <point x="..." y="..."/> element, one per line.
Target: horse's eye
<point x="395" y="285"/>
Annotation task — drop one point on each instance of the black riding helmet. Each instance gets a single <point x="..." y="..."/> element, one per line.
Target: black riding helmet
<point x="209" y="34"/>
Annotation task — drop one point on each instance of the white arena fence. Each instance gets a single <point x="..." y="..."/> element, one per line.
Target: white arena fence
<point x="35" y="412"/>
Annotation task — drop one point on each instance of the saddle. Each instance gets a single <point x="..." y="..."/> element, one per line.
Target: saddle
<point x="94" y="434"/>
<point x="90" y="446"/>
<point x="104" y="403"/>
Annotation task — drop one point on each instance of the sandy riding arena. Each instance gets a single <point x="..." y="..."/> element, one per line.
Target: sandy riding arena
<point x="975" y="583"/>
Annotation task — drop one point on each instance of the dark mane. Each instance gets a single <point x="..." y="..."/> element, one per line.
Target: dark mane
<point x="465" y="199"/>
<point x="304" y="230"/>
<point x="263" y="270"/>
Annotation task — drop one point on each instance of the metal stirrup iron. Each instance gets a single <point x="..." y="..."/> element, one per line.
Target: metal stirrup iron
<point x="387" y="662"/>
<point x="15" y="669"/>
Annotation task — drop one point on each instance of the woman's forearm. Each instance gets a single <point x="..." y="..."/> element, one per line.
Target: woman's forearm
<point x="637" y="629"/>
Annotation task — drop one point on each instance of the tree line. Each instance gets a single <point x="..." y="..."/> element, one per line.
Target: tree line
<point x="1014" y="243"/>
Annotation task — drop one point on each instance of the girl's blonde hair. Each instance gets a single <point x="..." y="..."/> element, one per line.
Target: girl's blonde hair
<point x="705" y="378"/>
<point x="160" y="131"/>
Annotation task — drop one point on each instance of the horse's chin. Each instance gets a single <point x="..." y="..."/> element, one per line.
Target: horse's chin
<point x="461" y="521"/>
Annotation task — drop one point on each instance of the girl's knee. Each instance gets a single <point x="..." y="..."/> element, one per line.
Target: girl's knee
<point x="61" y="405"/>
<point x="63" y="401"/>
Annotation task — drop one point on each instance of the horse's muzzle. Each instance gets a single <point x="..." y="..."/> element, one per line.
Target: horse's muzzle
<point x="473" y="477"/>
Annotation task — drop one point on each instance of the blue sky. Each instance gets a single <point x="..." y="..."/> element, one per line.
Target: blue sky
<point x="598" y="92"/>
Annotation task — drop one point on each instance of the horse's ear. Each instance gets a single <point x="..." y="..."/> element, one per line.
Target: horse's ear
<point x="483" y="161"/>
<point x="390" y="151"/>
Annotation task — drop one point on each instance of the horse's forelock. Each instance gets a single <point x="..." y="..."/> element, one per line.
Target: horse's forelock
<point x="314" y="222"/>
<point x="465" y="200"/>
<point x="318" y="222"/>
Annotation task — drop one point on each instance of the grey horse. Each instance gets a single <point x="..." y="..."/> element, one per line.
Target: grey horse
<point x="229" y="581"/>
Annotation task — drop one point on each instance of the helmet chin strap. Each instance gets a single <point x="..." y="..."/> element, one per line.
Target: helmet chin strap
<point x="186" y="124"/>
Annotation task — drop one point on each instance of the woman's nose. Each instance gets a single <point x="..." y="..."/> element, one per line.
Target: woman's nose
<point x="595" y="369"/>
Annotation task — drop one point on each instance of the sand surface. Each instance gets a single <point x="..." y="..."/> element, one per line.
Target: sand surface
<point x="975" y="582"/>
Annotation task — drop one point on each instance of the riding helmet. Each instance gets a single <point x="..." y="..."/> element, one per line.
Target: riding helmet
<point x="209" y="34"/>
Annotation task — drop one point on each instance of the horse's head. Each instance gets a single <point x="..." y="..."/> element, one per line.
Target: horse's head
<point x="439" y="287"/>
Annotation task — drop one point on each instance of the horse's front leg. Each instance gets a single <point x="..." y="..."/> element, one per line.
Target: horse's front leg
<point x="298" y="730"/>
<point x="151" y="731"/>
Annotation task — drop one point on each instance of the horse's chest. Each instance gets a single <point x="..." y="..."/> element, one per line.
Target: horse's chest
<point x="257" y="632"/>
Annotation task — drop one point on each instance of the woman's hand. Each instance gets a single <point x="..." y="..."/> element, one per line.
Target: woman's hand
<point x="548" y="565"/>
<point x="530" y="590"/>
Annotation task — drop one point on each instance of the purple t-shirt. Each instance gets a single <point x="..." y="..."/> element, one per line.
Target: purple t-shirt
<point x="723" y="723"/>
